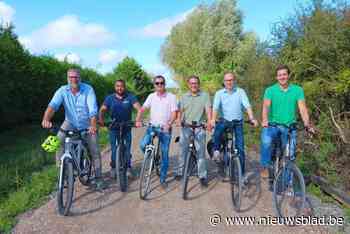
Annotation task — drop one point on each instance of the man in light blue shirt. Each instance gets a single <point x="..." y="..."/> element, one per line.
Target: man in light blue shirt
<point x="230" y="103"/>
<point x="79" y="101"/>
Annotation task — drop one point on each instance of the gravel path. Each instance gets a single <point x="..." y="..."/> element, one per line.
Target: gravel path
<point x="165" y="212"/>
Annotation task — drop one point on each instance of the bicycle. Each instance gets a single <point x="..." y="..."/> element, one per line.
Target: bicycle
<point x="285" y="176"/>
<point x="121" y="158"/>
<point x="74" y="162"/>
<point x="191" y="157"/>
<point x="231" y="162"/>
<point x="152" y="160"/>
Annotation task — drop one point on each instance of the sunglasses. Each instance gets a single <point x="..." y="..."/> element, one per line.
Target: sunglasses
<point x="159" y="83"/>
<point x="74" y="77"/>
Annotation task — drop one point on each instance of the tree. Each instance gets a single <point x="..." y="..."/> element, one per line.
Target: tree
<point x="136" y="79"/>
<point x="209" y="42"/>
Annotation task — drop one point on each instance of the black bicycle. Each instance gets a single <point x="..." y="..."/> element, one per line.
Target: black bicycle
<point x="286" y="178"/>
<point x="191" y="157"/>
<point x="151" y="161"/>
<point x="231" y="162"/>
<point x="75" y="161"/>
<point x="122" y="158"/>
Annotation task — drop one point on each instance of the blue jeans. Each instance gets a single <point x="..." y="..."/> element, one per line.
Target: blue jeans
<point x="239" y="142"/>
<point x="200" y="137"/>
<point x="114" y="141"/>
<point x="164" y="138"/>
<point x="268" y="136"/>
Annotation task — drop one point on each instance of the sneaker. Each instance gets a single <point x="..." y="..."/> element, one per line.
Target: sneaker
<point x="203" y="182"/>
<point x="264" y="173"/>
<point x="178" y="177"/>
<point x="216" y="156"/>
<point x="100" y="185"/>
<point x="113" y="173"/>
<point x="131" y="173"/>
<point x="164" y="185"/>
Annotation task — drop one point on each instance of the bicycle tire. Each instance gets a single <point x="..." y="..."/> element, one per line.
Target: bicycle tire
<point x="186" y="174"/>
<point x="65" y="188"/>
<point x="157" y="160"/>
<point x="85" y="168"/>
<point x="282" y="187"/>
<point x="146" y="174"/>
<point x="121" y="168"/>
<point x="235" y="173"/>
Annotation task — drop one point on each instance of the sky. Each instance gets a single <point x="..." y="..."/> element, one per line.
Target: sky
<point x="99" y="34"/>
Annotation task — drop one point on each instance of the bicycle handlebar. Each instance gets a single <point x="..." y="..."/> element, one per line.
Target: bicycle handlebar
<point x="193" y="125"/>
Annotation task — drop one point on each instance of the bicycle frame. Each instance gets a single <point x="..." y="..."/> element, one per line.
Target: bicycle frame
<point x="72" y="151"/>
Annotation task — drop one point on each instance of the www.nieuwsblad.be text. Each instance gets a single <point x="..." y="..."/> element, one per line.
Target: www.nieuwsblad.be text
<point x="217" y="219"/>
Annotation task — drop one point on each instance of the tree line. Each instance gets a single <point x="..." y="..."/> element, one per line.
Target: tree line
<point x="314" y="42"/>
<point x="28" y="82"/>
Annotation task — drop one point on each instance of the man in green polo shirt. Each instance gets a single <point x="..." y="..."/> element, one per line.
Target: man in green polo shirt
<point x="194" y="106"/>
<point x="281" y="101"/>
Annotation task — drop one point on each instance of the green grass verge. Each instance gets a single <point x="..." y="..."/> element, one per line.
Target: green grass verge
<point x="27" y="174"/>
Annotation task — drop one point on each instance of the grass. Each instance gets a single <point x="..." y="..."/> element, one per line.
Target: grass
<point x="27" y="174"/>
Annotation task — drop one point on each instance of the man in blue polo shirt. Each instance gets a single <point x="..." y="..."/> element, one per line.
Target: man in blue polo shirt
<point x="230" y="103"/>
<point x="120" y="105"/>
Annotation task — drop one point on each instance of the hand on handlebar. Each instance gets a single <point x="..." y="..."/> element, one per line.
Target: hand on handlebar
<point x="46" y="124"/>
<point x="92" y="130"/>
<point x="254" y="122"/>
<point x="264" y="123"/>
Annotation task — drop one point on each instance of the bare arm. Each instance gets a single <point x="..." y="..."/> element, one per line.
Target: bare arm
<point x="101" y="114"/>
<point x="179" y="117"/>
<point x="138" y="107"/>
<point x="251" y="116"/>
<point x="304" y="113"/>
<point x="265" y="112"/>
<point x="173" y="117"/>
<point x="49" y="113"/>
<point x="93" y="125"/>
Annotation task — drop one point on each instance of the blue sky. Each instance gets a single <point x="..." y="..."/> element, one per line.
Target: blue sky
<point x="98" y="34"/>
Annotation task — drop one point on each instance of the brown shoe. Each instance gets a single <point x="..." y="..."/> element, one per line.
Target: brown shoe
<point x="264" y="173"/>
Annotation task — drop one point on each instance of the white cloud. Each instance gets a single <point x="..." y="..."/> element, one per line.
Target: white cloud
<point x="160" y="28"/>
<point x="111" y="56"/>
<point x="6" y="13"/>
<point x="67" y="31"/>
<point x="69" y="57"/>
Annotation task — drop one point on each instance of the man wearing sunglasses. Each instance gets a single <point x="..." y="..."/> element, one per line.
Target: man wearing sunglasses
<point x="162" y="105"/>
<point x="80" y="105"/>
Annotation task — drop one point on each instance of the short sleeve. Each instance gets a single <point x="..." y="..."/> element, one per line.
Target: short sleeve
<point x="107" y="102"/>
<point x="57" y="99"/>
<point x="133" y="99"/>
<point x="245" y="100"/>
<point x="181" y="103"/>
<point x="92" y="103"/>
<point x="267" y="94"/>
<point x="173" y="104"/>
<point x="207" y="101"/>
<point x="300" y="94"/>
<point x="147" y="103"/>
<point x="216" y="103"/>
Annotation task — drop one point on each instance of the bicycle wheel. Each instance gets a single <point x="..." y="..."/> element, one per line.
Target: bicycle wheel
<point x="289" y="191"/>
<point x="122" y="168"/>
<point x="85" y="168"/>
<point x="157" y="160"/>
<point x="186" y="174"/>
<point x="235" y="172"/>
<point x="65" y="187"/>
<point x="146" y="174"/>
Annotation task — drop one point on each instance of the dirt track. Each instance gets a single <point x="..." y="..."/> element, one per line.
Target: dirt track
<point x="165" y="212"/>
